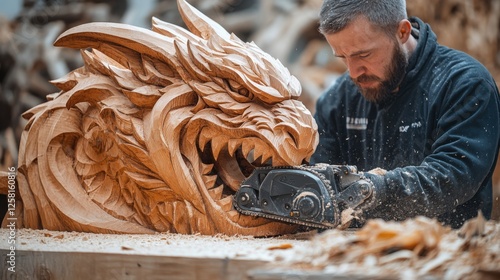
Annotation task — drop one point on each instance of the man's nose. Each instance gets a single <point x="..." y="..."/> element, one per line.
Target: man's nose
<point x="355" y="68"/>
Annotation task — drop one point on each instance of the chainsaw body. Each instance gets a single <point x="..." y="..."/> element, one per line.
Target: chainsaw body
<point x="313" y="196"/>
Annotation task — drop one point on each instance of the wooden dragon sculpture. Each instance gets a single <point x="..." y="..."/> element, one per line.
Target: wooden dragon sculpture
<point x="157" y="130"/>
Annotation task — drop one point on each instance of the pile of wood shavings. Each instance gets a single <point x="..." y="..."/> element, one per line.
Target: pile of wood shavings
<point x="414" y="249"/>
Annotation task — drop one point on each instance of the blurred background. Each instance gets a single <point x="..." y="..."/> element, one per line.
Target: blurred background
<point x="286" y="29"/>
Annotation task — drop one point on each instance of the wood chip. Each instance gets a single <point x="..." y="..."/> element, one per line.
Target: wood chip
<point x="283" y="246"/>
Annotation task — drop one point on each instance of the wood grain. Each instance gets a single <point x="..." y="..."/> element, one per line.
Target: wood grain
<point x="82" y="265"/>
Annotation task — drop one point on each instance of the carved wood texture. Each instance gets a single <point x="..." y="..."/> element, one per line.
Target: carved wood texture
<point x="158" y="128"/>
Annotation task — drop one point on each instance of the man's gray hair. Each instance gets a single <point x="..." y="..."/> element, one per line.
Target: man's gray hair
<point x="335" y="15"/>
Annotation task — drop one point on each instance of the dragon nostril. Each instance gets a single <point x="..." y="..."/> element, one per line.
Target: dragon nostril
<point x="291" y="132"/>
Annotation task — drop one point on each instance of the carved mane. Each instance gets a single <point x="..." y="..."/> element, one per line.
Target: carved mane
<point x="157" y="130"/>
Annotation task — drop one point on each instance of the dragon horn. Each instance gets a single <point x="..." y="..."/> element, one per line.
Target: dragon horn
<point x="93" y="35"/>
<point x="200" y="24"/>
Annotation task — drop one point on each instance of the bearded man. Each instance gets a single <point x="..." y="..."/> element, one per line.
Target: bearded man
<point x="424" y="116"/>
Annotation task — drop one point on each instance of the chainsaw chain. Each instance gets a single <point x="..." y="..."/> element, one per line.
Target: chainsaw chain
<point x="282" y="218"/>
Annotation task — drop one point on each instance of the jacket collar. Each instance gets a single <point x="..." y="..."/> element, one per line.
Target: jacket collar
<point x="427" y="43"/>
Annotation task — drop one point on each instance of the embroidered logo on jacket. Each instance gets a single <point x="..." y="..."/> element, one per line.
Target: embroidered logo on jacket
<point x="356" y="123"/>
<point x="404" y="128"/>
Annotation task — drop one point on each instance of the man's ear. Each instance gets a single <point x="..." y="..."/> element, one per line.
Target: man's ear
<point x="404" y="31"/>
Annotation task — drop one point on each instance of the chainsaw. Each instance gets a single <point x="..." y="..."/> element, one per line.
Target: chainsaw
<point x="312" y="196"/>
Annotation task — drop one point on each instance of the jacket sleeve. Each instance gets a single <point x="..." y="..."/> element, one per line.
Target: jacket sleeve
<point x="464" y="149"/>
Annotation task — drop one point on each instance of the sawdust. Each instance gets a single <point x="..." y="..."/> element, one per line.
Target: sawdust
<point x="161" y="244"/>
<point x="378" y="171"/>
<point x="346" y="218"/>
<point x="414" y="249"/>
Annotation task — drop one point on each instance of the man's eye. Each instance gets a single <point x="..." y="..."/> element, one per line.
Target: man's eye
<point x="364" y="55"/>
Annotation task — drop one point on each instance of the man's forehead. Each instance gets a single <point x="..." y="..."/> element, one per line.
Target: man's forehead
<point x="359" y="36"/>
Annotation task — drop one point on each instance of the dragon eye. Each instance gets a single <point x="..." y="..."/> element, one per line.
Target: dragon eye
<point x="244" y="92"/>
<point x="236" y="87"/>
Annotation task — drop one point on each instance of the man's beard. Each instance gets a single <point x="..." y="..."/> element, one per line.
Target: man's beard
<point x="395" y="74"/>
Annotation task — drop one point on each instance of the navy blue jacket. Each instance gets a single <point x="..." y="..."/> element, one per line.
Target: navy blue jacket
<point x="438" y="137"/>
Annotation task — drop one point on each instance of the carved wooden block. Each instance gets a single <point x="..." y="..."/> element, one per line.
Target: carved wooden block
<point x="157" y="130"/>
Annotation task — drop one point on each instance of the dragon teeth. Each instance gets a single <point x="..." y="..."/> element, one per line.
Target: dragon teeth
<point x="216" y="193"/>
<point x="261" y="152"/>
<point x="207" y="168"/>
<point x="209" y="181"/>
<point x="218" y="143"/>
<point x="203" y="140"/>
<point x="233" y="215"/>
<point x="233" y="145"/>
<point x="267" y="157"/>
<point x="226" y="204"/>
<point x="246" y="148"/>
<point x="257" y="154"/>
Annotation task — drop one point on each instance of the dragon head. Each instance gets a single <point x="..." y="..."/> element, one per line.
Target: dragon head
<point x="158" y="129"/>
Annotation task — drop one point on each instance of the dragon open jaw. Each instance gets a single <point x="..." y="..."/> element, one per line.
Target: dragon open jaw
<point x="232" y="160"/>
